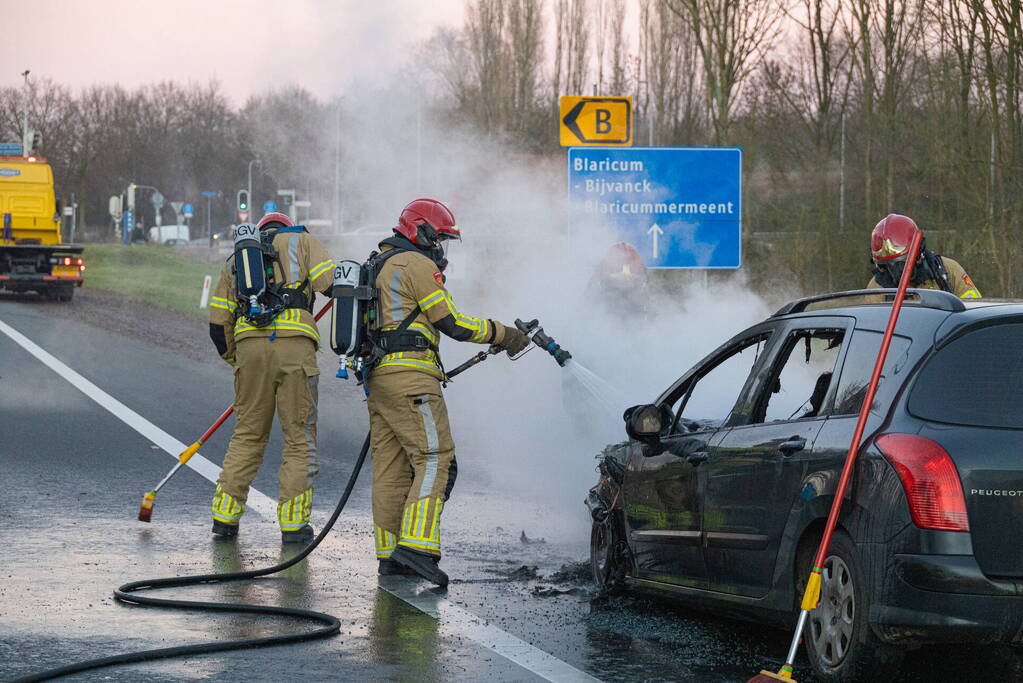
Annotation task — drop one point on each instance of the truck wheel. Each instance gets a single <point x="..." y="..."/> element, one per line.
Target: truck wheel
<point x="59" y="293"/>
<point x="839" y="642"/>
<point x="608" y="554"/>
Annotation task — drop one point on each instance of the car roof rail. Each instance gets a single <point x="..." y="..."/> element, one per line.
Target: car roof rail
<point x="928" y="298"/>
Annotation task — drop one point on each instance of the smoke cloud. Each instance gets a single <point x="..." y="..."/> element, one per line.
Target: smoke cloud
<point x="528" y="428"/>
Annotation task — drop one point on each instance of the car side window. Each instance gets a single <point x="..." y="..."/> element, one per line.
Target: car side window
<point x="707" y="403"/>
<point x="859" y="364"/>
<point x="798" y="386"/>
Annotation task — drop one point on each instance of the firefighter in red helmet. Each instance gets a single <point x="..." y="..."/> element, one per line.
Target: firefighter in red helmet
<point x="889" y="244"/>
<point x="274" y="371"/>
<point x="413" y="453"/>
<point x="622" y="266"/>
<point x="620" y="281"/>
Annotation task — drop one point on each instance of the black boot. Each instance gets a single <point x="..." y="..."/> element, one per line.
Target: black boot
<point x="303" y="535"/>
<point x="223" y="530"/>
<point x="388" y="567"/>
<point x="421" y="563"/>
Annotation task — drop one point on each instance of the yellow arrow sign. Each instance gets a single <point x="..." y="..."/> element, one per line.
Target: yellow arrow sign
<point x="596" y="121"/>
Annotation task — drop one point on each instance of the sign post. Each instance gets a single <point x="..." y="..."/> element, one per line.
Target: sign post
<point x="204" y="299"/>
<point x="209" y="212"/>
<point x="680" y="207"/>
<point x="157" y="200"/>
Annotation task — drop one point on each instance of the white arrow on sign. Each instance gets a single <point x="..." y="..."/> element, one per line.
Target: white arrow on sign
<point x="656" y="231"/>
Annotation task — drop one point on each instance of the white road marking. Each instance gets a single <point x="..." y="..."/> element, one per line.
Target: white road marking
<point x="543" y="664"/>
<point x="258" y="501"/>
<point x="462" y="622"/>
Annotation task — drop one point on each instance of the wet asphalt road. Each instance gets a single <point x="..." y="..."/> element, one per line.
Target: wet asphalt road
<point x="73" y="475"/>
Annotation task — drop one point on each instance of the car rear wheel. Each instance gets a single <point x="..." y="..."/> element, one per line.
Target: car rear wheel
<point x="839" y="642"/>
<point x="607" y="554"/>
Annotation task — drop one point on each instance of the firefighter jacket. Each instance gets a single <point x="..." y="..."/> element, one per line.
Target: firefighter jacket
<point x="411" y="279"/>
<point x="304" y="266"/>
<point x="962" y="285"/>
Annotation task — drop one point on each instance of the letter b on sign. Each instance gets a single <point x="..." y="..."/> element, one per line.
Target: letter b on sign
<point x="603" y="121"/>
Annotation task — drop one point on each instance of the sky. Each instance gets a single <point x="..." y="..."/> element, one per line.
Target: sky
<point x="247" y="45"/>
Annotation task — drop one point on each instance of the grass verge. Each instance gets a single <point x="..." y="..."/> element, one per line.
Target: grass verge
<point x="158" y="275"/>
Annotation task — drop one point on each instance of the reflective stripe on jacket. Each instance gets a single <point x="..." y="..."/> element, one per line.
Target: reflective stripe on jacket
<point x="302" y="257"/>
<point x="409" y="279"/>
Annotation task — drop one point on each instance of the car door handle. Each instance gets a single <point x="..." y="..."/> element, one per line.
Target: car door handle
<point x="697" y="458"/>
<point x="792" y="446"/>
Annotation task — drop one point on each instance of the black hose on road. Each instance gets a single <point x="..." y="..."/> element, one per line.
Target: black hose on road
<point x="127" y="594"/>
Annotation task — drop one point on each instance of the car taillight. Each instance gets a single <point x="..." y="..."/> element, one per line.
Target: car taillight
<point x="930" y="479"/>
<point x="67" y="260"/>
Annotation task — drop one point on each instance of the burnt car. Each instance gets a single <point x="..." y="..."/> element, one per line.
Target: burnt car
<point x="720" y="495"/>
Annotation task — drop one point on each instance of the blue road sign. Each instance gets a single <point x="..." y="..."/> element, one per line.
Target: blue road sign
<point x="129" y="225"/>
<point x="269" y="206"/>
<point x="208" y="193"/>
<point x="681" y="207"/>
<point x="187" y="210"/>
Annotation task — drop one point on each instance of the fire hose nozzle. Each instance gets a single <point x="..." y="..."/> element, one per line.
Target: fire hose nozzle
<point x="533" y="330"/>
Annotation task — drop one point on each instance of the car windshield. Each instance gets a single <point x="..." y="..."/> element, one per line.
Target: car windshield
<point x="709" y="399"/>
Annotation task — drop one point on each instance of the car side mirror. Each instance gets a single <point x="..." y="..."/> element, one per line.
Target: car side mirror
<point x="646" y="422"/>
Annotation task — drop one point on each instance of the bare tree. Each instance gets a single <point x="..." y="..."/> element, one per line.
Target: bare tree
<point x="731" y="37"/>
<point x="487" y="41"/>
<point x="525" y="37"/>
<point x="572" y="41"/>
<point x="672" y="83"/>
<point x="619" y="49"/>
<point x="821" y="58"/>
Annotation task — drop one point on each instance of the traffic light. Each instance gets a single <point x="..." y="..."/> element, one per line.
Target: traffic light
<point x="243" y="200"/>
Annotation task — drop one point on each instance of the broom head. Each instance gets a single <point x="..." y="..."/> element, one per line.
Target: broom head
<point x="146" y="509"/>
<point x="768" y="676"/>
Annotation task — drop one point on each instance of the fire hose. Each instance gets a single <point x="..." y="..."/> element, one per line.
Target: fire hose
<point x="129" y="593"/>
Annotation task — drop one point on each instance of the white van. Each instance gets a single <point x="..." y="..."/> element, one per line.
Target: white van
<point x="169" y="234"/>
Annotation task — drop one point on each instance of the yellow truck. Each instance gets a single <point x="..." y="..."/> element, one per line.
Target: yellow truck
<point x="32" y="255"/>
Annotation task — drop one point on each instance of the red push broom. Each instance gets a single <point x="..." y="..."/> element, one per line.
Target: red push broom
<point x="812" y="593"/>
<point x="146" y="509"/>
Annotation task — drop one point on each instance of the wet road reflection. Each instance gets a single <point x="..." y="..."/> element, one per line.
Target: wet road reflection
<point x="72" y="486"/>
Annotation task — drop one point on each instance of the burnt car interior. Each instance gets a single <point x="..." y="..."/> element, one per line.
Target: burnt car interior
<point x="800" y="384"/>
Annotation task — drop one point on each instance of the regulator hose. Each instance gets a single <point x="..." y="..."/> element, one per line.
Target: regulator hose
<point x="128" y="594"/>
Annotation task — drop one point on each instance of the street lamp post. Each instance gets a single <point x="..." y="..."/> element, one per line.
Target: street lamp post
<point x="209" y="223"/>
<point x="26" y="142"/>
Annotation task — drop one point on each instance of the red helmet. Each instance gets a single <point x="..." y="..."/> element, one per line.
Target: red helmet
<point x="427" y="221"/>
<point x="275" y="219"/>
<point x="622" y="265"/>
<point x="891" y="238"/>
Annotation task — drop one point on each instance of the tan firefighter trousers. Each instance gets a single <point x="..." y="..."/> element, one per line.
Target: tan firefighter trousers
<point x="273" y="375"/>
<point x="413" y="460"/>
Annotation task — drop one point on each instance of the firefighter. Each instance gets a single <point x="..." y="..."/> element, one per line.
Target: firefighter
<point x="888" y="246"/>
<point x="413" y="457"/>
<point x="620" y="281"/>
<point x="274" y="370"/>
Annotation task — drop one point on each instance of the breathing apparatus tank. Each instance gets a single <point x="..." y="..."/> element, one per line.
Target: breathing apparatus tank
<point x="348" y="316"/>
<point x="248" y="265"/>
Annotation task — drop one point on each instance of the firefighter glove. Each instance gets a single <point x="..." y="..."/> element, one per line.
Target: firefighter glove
<point x="513" y="341"/>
